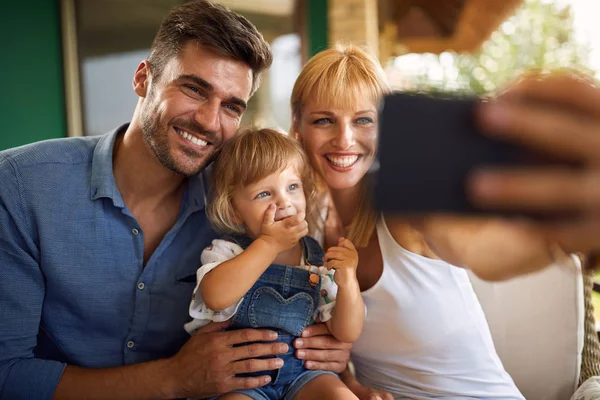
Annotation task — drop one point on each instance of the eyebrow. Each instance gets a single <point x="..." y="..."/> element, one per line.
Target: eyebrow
<point x="207" y="86"/>
<point x="238" y="101"/>
<point x="331" y="113"/>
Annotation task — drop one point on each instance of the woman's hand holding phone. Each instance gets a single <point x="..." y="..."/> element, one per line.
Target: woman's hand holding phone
<point x="558" y="115"/>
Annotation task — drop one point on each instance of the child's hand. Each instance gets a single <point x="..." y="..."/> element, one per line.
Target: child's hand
<point x="283" y="234"/>
<point x="343" y="258"/>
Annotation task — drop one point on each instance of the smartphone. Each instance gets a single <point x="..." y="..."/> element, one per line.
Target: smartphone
<point x="428" y="146"/>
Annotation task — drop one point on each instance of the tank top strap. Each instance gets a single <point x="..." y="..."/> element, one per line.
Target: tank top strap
<point x="390" y="249"/>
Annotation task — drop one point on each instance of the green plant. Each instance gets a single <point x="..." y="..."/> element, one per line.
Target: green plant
<point x="540" y="36"/>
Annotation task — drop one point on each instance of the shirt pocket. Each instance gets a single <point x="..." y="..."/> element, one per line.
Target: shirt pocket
<point x="186" y="274"/>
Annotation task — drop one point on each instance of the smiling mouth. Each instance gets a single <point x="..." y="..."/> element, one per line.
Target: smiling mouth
<point x="342" y="161"/>
<point x="191" y="138"/>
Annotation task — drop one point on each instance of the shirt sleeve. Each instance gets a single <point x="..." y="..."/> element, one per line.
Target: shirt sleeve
<point x="328" y="295"/>
<point x="22" y="290"/>
<point x="219" y="251"/>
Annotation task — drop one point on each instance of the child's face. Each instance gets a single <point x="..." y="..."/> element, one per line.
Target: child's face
<point x="283" y="188"/>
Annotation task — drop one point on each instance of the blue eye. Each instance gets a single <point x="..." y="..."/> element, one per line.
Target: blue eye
<point x="323" y="121"/>
<point x="364" y="121"/>
<point x="262" y="195"/>
<point x="293" y="186"/>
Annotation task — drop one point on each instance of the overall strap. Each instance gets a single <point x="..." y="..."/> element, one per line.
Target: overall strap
<point x="242" y="240"/>
<point x="313" y="252"/>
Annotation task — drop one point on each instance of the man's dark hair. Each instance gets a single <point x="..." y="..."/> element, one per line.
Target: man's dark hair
<point x="215" y="27"/>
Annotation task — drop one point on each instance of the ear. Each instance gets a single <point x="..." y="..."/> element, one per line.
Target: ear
<point x="142" y="79"/>
<point x="295" y="131"/>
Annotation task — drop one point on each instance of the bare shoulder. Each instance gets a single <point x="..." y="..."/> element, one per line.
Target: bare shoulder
<point x="406" y="234"/>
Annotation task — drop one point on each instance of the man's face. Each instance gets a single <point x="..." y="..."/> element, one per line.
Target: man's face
<point x="193" y="107"/>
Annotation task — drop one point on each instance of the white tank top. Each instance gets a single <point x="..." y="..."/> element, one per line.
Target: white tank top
<point x="425" y="334"/>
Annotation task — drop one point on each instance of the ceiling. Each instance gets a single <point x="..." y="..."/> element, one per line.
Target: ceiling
<point x="108" y="26"/>
<point x="270" y="7"/>
<point x="435" y="26"/>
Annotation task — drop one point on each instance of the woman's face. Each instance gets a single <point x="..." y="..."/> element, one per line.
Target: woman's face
<point x="340" y="143"/>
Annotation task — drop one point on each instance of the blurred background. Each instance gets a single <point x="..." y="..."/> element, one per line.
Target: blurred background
<point x="68" y="64"/>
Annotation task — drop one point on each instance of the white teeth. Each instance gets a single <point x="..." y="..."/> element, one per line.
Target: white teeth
<point x="192" y="139"/>
<point x="343" y="161"/>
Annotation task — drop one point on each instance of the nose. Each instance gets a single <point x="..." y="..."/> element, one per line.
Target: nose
<point x="284" y="207"/>
<point x="208" y="115"/>
<point x="282" y="202"/>
<point x="344" y="137"/>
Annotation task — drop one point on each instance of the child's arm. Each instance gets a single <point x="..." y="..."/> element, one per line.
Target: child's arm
<point x="230" y="280"/>
<point x="349" y="313"/>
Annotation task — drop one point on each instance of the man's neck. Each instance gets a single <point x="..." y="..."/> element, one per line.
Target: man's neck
<point x="142" y="180"/>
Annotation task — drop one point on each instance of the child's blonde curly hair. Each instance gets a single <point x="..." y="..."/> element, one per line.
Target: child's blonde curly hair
<point x="254" y="154"/>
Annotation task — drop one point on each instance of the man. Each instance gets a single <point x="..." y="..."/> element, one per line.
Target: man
<point x="100" y="237"/>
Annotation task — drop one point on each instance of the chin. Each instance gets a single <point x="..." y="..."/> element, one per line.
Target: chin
<point x="185" y="169"/>
<point x="339" y="184"/>
<point x="190" y="166"/>
<point x="341" y="181"/>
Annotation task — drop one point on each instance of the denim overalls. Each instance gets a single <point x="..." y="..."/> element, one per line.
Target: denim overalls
<point x="284" y="300"/>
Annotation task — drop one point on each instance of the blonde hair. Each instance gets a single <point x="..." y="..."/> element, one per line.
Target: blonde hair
<point x="252" y="155"/>
<point x="337" y="78"/>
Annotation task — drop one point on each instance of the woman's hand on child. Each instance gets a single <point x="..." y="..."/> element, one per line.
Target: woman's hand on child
<point x="343" y="258"/>
<point x="367" y="393"/>
<point x="207" y="364"/>
<point x="363" y="392"/>
<point x="283" y="234"/>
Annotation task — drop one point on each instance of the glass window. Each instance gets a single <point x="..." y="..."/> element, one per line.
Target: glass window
<point x="113" y="37"/>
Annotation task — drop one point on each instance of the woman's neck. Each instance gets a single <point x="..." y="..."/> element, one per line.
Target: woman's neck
<point x="346" y="202"/>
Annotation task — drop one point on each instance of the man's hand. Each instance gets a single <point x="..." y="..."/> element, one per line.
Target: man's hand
<point x="207" y="364"/>
<point x="322" y="351"/>
<point x="283" y="234"/>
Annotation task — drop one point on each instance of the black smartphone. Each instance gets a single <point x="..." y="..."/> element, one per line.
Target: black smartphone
<point x="428" y="146"/>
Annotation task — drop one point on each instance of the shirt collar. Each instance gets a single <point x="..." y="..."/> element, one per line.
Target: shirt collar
<point x="196" y="193"/>
<point x="103" y="179"/>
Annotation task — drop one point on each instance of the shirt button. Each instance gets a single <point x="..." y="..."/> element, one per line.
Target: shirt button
<point x="130" y="344"/>
<point x="141" y="286"/>
<point x="135" y="231"/>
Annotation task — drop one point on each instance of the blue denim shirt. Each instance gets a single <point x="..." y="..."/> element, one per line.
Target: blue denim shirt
<point x="73" y="289"/>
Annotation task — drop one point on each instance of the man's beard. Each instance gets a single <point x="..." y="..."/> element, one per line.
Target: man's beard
<point x="158" y="140"/>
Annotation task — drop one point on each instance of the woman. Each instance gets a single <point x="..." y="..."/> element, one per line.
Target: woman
<point x="425" y="334"/>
